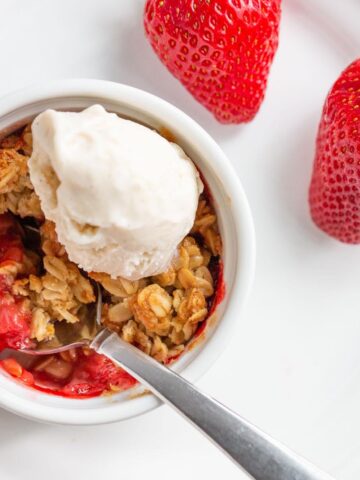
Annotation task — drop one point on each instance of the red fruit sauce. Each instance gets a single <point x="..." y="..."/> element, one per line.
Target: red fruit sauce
<point x="91" y="374"/>
<point x="14" y="318"/>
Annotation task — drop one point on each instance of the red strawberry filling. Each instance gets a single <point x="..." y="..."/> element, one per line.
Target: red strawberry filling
<point x="14" y="318"/>
<point x="95" y="374"/>
<point x="89" y="376"/>
<point x="13" y="367"/>
<point x="14" y="323"/>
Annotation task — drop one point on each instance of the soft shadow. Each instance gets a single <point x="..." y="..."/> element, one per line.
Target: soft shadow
<point x="342" y="41"/>
<point x="136" y="64"/>
<point x="16" y="427"/>
<point x="296" y="160"/>
<point x="58" y="441"/>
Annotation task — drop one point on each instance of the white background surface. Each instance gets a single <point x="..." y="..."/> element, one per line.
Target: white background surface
<point x="293" y="367"/>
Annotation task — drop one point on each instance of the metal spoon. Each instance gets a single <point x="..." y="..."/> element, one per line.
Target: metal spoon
<point x="262" y="457"/>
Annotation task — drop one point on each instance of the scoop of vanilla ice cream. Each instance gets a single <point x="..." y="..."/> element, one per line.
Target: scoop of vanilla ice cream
<point x="122" y="197"/>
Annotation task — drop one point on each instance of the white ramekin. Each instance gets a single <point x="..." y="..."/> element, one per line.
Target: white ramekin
<point x="235" y="223"/>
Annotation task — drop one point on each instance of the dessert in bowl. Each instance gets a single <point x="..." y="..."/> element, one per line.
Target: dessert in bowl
<point x="114" y="203"/>
<point x="162" y="272"/>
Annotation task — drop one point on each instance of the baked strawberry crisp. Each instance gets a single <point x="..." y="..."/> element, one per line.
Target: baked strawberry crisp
<point x="40" y="286"/>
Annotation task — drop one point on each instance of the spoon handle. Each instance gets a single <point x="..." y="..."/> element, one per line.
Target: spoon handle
<point x="258" y="454"/>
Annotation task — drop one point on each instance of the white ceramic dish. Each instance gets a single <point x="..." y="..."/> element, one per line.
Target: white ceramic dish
<point x="235" y="224"/>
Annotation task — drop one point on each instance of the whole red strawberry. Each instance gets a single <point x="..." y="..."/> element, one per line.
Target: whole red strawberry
<point x="335" y="185"/>
<point x="221" y="50"/>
